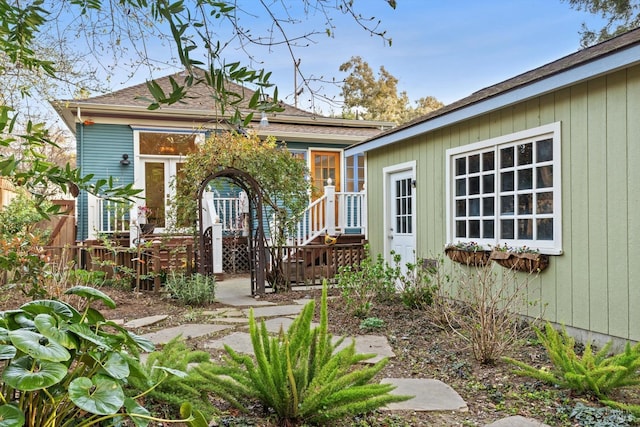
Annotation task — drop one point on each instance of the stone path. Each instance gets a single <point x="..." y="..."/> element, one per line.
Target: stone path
<point x="430" y="394"/>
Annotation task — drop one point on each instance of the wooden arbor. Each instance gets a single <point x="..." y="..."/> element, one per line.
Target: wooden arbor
<point x="257" y="252"/>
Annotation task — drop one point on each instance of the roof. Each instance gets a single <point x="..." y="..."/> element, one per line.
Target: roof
<point x="603" y="58"/>
<point x="199" y="107"/>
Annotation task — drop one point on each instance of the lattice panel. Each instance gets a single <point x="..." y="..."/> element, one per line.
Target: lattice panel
<point x="235" y="256"/>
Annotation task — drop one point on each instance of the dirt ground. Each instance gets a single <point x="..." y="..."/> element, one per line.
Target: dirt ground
<point x="423" y="349"/>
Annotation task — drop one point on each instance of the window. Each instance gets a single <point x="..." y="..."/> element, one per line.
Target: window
<point x="507" y="190"/>
<point x="355" y="173"/>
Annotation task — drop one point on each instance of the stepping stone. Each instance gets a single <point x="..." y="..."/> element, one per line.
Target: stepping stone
<point x="223" y="312"/>
<point x="187" y="331"/>
<point x="367" y="344"/>
<point x="517" y="421"/>
<point x="302" y="301"/>
<point x="239" y="341"/>
<point x="275" y="310"/>
<point x="430" y="395"/>
<point x="273" y="325"/>
<point x="230" y="320"/>
<point x="145" y="321"/>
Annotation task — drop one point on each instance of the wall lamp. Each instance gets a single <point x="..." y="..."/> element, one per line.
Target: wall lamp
<point x="125" y="160"/>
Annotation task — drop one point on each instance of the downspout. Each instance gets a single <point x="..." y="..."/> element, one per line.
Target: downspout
<point x="80" y="148"/>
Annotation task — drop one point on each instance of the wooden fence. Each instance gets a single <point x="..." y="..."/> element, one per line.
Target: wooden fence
<point x="311" y="264"/>
<point x="144" y="267"/>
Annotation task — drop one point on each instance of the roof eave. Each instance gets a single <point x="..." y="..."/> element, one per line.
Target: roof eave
<point x="597" y="67"/>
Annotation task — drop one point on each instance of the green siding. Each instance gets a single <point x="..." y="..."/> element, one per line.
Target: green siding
<point x="100" y="149"/>
<point x="593" y="284"/>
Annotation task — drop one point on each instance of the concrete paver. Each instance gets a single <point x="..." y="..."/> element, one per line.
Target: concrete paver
<point x="238" y="341"/>
<point x="367" y="344"/>
<point x="187" y="331"/>
<point x="517" y="421"/>
<point x="223" y="312"/>
<point x="237" y="292"/>
<point x="145" y="321"/>
<point x="275" y="310"/>
<point x="430" y="395"/>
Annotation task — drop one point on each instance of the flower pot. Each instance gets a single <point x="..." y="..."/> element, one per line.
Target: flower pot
<point x="527" y="262"/>
<point x="477" y="258"/>
<point x="147" y="228"/>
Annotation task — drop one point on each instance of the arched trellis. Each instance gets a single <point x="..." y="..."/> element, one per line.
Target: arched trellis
<point x="257" y="239"/>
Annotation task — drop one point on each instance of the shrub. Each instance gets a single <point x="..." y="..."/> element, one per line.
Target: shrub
<point x="61" y="362"/>
<point x="368" y="282"/>
<point x="596" y="373"/>
<point x="484" y="310"/>
<point x="416" y="286"/>
<point x="301" y="375"/>
<point x="190" y="382"/>
<point x="197" y="289"/>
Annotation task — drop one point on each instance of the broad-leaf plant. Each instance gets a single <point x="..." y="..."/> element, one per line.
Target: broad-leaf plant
<point x="62" y="366"/>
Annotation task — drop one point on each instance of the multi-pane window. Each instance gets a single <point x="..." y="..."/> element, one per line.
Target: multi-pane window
<point x="355" y="173"/>
<point x="507" y="191"/>
<point x="403" y="215"/>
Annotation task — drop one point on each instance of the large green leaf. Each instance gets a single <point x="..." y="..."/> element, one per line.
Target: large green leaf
<point x="91" y="294"/>
<point x="193" y="417"/>
<point x="48" y="326"/>
<point x="26" y="374"/>
<point x="11" y="416"/>
<point x="85" y="332"/>
<point x="51" y="307"/>
<point x="99" y="396"/>
<point x="38" y="346"/>
<point x="132" y="339"/>
<point x="7" y="352"/>
<point x="133" y="409"/>
<point x="115" y="365"/>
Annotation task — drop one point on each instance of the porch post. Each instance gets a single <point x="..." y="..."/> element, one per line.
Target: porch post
<point x="216" y="242"/>
<point x="330" y="207"/>
<point x="363" y="212"/>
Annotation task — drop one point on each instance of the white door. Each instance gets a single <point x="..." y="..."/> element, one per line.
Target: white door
<point x="401" y="227"/>
<point x="158" y="179"/>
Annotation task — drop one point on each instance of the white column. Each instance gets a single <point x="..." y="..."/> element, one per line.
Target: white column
<point x="330" y="208"/>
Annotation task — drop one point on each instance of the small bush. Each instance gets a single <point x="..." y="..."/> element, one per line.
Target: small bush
<point x="372" y="323"/>
<point x="197" y="289"/>
<point x="416" y="285"/>
<point x="300" y="374"/>
<point x="484" y="309"/>
<point x="596" y="373"/>
<point x="366" y="283"/>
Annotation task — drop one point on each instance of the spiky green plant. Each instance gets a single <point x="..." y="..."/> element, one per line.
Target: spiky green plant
<point x="301" y="375"/>
<point x="596" y="372"/>
<point x="171" y="377"/>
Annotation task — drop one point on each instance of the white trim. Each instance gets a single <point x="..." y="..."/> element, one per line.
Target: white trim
<point x="386" y="174"/>
<point x="595" y="68"/>
<point x="552" y="130"/>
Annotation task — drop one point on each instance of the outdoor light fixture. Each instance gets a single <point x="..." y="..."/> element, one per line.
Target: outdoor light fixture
<point x="125" y="160"/>
<point x="264" y="121"/>
<point x="414" y="183"/>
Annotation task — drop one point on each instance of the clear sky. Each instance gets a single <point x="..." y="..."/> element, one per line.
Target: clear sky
<point x="443" y="48"/>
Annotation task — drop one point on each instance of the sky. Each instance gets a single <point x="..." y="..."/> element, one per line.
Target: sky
<point x="442" y="48"/>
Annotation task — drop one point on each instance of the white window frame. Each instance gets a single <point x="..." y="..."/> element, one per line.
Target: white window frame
<point x="551" y="131"/>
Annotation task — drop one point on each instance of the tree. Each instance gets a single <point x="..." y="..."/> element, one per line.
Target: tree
<point x="111" y="29"/>
<point x="378" y="99"/>
<point x="621" y="15"/>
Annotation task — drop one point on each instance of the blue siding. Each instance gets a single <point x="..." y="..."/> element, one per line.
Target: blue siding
<point x="99" y="150"/>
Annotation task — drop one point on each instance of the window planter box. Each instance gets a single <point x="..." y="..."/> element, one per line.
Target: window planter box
<point x="476" y="258"/>
<point x="527" y="261"/>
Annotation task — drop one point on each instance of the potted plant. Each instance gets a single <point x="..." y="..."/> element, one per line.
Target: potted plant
<point x="521" y="258"/>
<point x="143" y="217"/>
<point x="468" y="253"/>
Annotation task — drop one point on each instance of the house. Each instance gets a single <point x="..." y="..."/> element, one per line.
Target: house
<point x="117" y="136"/>
<point x="546" y="160"/>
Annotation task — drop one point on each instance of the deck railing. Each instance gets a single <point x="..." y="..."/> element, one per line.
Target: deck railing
<point x="334" y="213"/>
